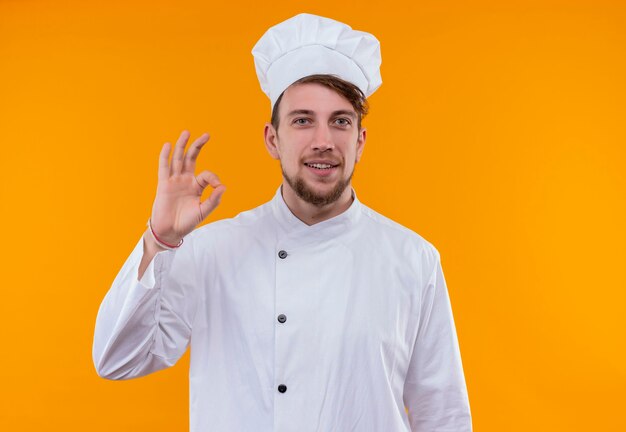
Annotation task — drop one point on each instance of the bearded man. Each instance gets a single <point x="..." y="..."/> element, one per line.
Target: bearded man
<point x="312" y="312"/>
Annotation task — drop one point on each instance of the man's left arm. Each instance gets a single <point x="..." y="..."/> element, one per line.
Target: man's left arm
<point x="435" y="393"/>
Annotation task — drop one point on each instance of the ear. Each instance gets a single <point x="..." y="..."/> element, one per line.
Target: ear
<point x="360" y="144"/>
<point x="271" y="140"/>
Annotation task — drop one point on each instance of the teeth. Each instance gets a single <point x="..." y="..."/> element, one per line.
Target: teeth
<point x="319" y="166"/>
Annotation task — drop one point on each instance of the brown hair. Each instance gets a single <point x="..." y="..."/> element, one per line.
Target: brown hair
<point x="352" y="93"/>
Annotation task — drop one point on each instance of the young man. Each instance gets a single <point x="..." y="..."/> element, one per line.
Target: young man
<point x="311" y="312"/>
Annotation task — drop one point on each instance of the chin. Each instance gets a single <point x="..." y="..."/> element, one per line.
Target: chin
<point x="319" y="197"/>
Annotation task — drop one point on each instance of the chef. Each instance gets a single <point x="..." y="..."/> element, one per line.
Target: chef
<point x="312" y="312"/>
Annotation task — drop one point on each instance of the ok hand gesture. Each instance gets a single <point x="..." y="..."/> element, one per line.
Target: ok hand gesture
<point x="178" y="208"/>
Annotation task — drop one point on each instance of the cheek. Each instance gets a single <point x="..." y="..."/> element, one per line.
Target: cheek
<point x="287" y="156"/>
<point x="354" y="153"/>
<point x="357" y="157"/>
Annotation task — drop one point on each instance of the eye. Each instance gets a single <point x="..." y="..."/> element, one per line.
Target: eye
<point x="301" y="121"/>
<point x="342" y="121"/>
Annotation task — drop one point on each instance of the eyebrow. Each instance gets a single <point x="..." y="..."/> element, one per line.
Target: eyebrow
<point x="348" y="113"/>
<point x="300" y="112"/>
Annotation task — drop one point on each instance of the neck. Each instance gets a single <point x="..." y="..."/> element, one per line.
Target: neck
<point x="311" y="214"/>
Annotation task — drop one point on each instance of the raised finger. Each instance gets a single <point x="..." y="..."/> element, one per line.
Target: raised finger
<point x="179" y="150"/>
<point x="164" y="156"/>
<point x="189" y="163"/>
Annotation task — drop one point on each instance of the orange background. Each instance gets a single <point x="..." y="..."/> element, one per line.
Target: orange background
<point x="498" y="135"/>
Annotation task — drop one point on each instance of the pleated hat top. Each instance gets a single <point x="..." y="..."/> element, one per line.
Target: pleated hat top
<point x="309" y="44"/>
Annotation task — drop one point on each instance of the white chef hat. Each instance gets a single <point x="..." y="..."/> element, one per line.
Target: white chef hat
<point x="309" y="44"/>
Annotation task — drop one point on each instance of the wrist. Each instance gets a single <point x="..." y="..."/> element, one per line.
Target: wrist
<point x="162" y="243"/>
<point x="151" y="244"/>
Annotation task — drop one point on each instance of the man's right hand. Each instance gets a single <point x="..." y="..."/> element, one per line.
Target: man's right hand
<point x="177" y="207"/>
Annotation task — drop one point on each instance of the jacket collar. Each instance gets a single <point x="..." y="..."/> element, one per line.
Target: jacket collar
<point x="333" y="227"/>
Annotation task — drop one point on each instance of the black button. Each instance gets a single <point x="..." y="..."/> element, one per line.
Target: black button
<point x="282" y="254"/>
<point x="282" y="318"/>
<point x="282" y="388"/>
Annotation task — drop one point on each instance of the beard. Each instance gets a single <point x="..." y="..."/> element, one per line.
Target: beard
<point x="310" y="196"/>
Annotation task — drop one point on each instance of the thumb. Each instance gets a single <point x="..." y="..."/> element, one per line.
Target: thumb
<point x="209" y="204"/>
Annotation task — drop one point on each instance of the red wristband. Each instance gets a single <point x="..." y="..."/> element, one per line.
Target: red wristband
<point x="161" y="243"/>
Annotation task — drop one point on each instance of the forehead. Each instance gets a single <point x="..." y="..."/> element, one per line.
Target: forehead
<point x="313" y="97"/>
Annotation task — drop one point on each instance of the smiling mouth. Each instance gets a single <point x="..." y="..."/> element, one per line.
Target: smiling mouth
<point x="320" y="166"/>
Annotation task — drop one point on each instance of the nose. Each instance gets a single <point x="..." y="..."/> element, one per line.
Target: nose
<point x="322" y="140"/>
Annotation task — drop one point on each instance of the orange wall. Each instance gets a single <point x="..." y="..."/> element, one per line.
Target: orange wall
<point x="499" y="135"/>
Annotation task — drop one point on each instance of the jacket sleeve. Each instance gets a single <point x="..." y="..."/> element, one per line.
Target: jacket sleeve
<point x="145" y="325"/>
<point x="435" y="393"/>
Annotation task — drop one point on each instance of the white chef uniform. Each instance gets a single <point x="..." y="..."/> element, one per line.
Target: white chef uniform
<point x="333" y="327"/>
